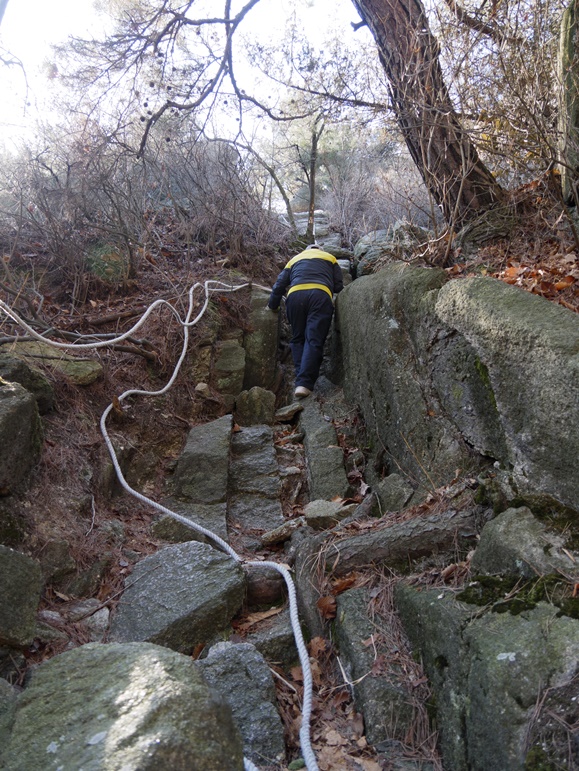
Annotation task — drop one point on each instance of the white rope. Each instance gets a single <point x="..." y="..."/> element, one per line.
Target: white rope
<point x="308" y="753"/>
<point x="209" y="287"/>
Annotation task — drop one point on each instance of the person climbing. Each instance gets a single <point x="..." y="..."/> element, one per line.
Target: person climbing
<point x="311" y="279"/>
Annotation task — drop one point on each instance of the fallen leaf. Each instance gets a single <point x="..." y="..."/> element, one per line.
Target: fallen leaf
<point x="449" y="571"/>
<point x="368" y="764"/>
<point x="344" y="583"/>
<point x="565" y="283"/>
<point x="327" y="607"/>
<point x="334" y="739"/>
<point x="358" y="724"/>
<point x="255" y="618"/>
<point x="297" y="674"/>
<point x="331" y="759"/>
<point x="317" y="675"/>
<point x="317" y="645"/>
<point x="341" y="697"/>
<point x="197" y="651"/>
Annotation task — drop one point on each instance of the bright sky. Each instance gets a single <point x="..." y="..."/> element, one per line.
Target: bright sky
<point x="30" y="27"/>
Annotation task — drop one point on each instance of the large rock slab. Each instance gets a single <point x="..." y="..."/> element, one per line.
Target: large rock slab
<point x="229" y="367"/>
<point x="513" y="661"/>
<point x="254" y="466"/>
<point x="254" y="512"/>
<point x="255" y="407"/>
<point x="201" y="472"/>
<point x="20" y="435"/>
<point x="324" y="457"/>
<point x="434" y="623"/>
<point x="8" y="700"/>
<point x="242" y="677"/>
<point x="20" y="587"/>
<point x="382" y="697"/>
<point x="17" y="370"/>
<point x="396" y="243"/>
<point x="260" y="343"/>
<point x="79" y="371"/>
<point x="530" y="349"/>
<point x="180" y="597"/>
<point x="129" y="707"/>
<point x="254" y="483"/>
<point x="489" y="674"/>
<point x="388" y="326"/>
<point x="517" y="543"/>
<point x="212" y="517"/>
<point x="443" y="368"/>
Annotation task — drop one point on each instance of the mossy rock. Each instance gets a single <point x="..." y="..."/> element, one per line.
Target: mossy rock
<point x="506" y="594"/>
<point x="79" y="371"/>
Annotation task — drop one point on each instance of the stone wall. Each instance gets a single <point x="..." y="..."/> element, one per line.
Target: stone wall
<point x="455" y="374"/>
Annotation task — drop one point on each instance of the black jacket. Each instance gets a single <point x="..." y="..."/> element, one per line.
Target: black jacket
<point x="312" y="269"/>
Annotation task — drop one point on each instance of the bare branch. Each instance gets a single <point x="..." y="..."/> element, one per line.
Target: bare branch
<point x="472" y="22"/>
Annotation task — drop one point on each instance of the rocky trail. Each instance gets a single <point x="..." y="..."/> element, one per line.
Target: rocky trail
<point x="436" y="596"/>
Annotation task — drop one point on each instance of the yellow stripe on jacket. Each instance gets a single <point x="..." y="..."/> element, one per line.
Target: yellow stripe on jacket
<point x="313" y="254"/>
<point x="297" y="287"/>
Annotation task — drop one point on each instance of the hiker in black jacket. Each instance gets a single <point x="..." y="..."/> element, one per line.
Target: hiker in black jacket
<point x="311" y="279"/>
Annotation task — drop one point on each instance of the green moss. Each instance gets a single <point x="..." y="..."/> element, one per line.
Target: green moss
<point x="506" y="594"/>
<point x="487" y="590"/>
<point x="107" y="262"/>
<point x="432" y="709"/>
<point x="557" y="517"/>
<point x="485" y="379"/>
<point x="538" y="760"/>
<point x="569" y="607"/>
<point x="457" y="392"/>
<point x="514" y="606"/>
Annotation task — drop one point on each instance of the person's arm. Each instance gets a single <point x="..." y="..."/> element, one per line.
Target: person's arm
<point x="278" y="291"/>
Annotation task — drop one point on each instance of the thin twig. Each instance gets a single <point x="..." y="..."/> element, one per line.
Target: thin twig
<point x="93" y="509"/>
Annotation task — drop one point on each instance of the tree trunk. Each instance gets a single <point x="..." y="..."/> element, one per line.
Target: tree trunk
<point x="568" y="119"/>
<point x="316" y="134"/>
<point x="449" y="164"/>
<point x="402" y="542"/>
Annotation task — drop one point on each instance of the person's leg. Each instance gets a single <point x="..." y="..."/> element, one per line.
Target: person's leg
<point x="319" y="319"/>
<point x="296" y="310"/>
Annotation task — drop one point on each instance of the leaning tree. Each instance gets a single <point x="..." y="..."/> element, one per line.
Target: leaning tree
<point x="440" y="146"/>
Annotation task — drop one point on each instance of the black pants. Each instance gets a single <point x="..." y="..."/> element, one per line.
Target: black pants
<point x="309" y="312"/>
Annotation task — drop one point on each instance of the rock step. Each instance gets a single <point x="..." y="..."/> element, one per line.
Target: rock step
<point x="229" y="480"/>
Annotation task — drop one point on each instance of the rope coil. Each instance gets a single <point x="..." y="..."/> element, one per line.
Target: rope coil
<point x="186" y="323"/>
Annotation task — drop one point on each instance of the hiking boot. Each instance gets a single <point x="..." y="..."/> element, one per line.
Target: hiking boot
<point x="301" y="392"/>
